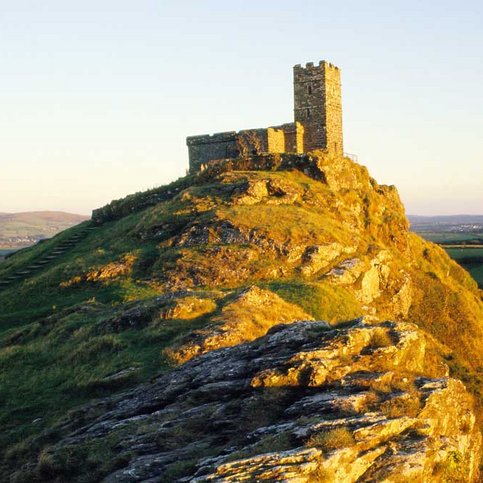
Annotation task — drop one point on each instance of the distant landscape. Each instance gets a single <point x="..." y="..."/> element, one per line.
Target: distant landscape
<point x="19" y="230"/>
<point x="460" y="235"/>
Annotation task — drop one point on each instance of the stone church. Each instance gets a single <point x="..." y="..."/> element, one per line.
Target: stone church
<point x="317" y="123"/>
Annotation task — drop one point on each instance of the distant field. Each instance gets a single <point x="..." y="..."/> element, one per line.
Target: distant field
<point x="471" y="259"/>
<point x="4" y="252"/>
<point x="465" y="253"/>
<point x="18" y="230"/>
<point x="449" y="237"/>
<point x="452" y="231"/>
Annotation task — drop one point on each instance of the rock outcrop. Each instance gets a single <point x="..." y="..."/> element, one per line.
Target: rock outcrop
<point x="185" y="321"/>
<point x="248" y="316"/>
<point x="362" y="402"/>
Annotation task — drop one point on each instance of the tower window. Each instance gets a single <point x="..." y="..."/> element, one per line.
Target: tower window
<point x="309" y="88"/>
<point x="308" y="112"/>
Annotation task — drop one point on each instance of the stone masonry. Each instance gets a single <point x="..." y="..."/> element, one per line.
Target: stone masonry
<point x="317" y="123"/>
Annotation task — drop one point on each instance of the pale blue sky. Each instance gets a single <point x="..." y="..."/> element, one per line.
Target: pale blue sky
<point x="97" y="97"/>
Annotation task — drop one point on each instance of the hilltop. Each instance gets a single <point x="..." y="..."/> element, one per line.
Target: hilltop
<point x="19" y="230"/>
<point x="269" y="317"/>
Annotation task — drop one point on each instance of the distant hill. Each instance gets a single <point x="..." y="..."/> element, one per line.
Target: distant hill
<point x="19" y="230"/>
<point x="446" y="219"/>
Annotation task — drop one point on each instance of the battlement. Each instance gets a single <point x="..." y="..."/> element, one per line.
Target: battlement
<point x="211" y="138"/>
<point x="317" y="123"/>
<point x="311" y="66"/>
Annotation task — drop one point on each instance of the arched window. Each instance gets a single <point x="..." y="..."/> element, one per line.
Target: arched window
<point x="308" y="112"/>
<point x="309" y="88"/>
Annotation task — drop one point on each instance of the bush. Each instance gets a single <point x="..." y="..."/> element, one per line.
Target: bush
<point x="333" y="439"/>
<point x="380" y="339"/>
<point x="405" y="405"/>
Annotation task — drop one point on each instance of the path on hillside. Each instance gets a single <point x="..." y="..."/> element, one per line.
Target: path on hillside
<point x="45" y="259"/>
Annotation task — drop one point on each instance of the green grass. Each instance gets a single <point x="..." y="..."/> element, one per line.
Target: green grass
<point x="465" y="253"/>
<point x="66" y="359"/>
<point x="322" y="301"/>
<point x="59" y="346"/>
<point x="471" y="259"/>
<point x="444" y="237"/>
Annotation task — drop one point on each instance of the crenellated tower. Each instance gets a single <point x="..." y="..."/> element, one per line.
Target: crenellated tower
<point x="318" y="123"/>
<point x="318" y="106"/>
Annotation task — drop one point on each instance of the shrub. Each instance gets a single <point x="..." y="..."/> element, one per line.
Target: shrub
<point x="380" y="339"/>
<point x="405" y="405"/>
<point x="46" y="466"/>
<point x="333" y="439"/>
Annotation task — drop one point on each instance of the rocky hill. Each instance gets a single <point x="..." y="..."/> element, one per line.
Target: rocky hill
<point x="269" y="318"/>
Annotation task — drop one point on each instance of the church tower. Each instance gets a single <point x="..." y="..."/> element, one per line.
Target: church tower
<point x="318" y="106"/>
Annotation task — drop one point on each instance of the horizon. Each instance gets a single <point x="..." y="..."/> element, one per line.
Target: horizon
<point x="98" y="100"/>
<point x="89" y="214"/>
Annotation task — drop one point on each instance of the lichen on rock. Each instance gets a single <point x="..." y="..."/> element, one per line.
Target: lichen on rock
<point x="306" y="402"/>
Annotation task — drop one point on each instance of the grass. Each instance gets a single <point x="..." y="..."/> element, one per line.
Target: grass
<point x="62" y="359"/>
<point x="468" y="253"/>
<point x="471" y="259"/>
<point x="332" y="439"/>
<point x="321" y="300"/>
<point x="379" y="339"/>
<point x="448" y="237"/>
<point x="59" y="347"/>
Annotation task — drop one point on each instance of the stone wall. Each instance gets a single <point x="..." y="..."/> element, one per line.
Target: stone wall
<point x="275" y="140"/>
<point x="205" y="148"/>
<point x="318" y="107"/>
<point x="252" y="141"/>
<point x="278" y="139"/>
<point x="333" y="109"/>
<point x="294" y="137"/>
<point x="304" y="163"/>
<point x="318" y="123"/>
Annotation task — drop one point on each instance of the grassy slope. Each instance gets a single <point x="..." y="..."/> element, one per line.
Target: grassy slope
<point x="56" y="348"/>
<point x="37" y="330"/>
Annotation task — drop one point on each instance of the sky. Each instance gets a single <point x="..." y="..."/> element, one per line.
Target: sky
<point x="97" y="97"/>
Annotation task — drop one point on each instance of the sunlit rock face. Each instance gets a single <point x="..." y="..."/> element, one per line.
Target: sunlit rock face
<point x="208" y="345"/>
<point x="363" y="401"/>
